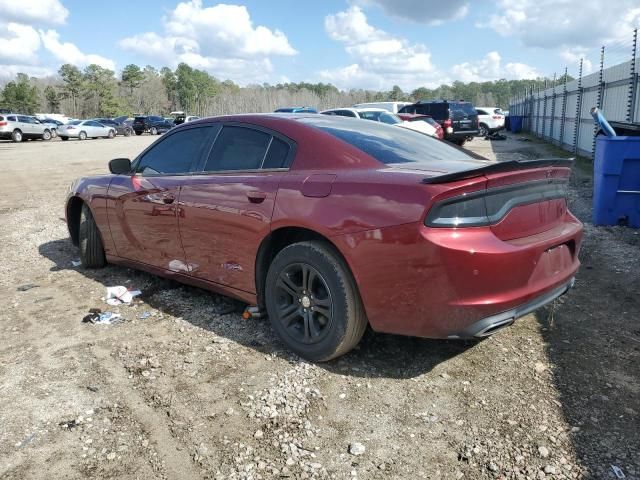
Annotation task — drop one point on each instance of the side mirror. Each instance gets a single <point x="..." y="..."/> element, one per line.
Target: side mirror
<point x="119" y="166"/>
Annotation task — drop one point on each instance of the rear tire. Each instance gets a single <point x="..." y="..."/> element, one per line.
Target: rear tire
<point x="82" y="136"/>
<point x="54" y="133"/>
<point x="111" y="134"/>
<point x="153" y="131"/>
<point x="483" y="130"/>
<point x="318" y="314"/>
<point x="64" y="139"/>
<point x="127" y="132"/>
<point x="138" y="133"/>
<point x="16" y="136"/>
<point x="46" y="135"/>
<point x="90" y="241"/>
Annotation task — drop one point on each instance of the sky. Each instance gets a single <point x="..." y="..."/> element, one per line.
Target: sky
<point x="370" y="44"/>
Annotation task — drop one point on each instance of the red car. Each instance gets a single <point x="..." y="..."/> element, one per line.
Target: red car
<point x="331" y="223"/>
<point x="416" y="117"/>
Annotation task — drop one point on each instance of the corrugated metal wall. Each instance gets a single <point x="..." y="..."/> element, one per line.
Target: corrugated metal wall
<point x="612" y="89"/>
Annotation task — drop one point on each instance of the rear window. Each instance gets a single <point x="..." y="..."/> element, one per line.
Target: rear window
<point x="386" y="143"/>
<point x="464" y="108"/>
<point x="139" y="119"/>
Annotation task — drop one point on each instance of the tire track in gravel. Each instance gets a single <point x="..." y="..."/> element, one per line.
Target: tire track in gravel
<point x="177" y="463"/>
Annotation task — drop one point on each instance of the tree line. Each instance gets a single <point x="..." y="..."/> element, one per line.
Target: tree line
<point x="95" y="92"/>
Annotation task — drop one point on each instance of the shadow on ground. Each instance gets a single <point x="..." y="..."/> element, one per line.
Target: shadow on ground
<point x="377" y="355"/>
<point x="593" y="345"/>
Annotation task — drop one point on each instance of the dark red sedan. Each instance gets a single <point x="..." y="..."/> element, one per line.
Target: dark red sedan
<point x="329" y="224"/>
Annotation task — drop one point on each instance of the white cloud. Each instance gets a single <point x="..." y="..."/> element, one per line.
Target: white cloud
<point x="8" y="72"/>
<point x="564" y="23"/>
<point x="380" y="59"/>
<point x="20" y="44"/>
<point x="572" y="57"/>
<point x="221" y="39"/>
<point x="490" y="68"/>
<point x="41" y="12"/>
<point x="431" y="12"/>
<point x="67" y="52"/>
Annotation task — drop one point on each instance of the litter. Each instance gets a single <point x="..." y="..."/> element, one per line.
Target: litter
<point x="524" y="139"/>
<point x="69" y="424"/>
<point x="27" y="286"/>
<point x="76" y="263"/>
<point x="119" y="295"/>
<point x="617" y="471"/>
<point x="495" y="136"/>
<point x="144" y="315"/>
<point x="97" y="316"/>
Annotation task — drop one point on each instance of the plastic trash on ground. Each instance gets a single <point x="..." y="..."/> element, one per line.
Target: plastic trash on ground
<point x="119" y="295"/>
<point x="98" y="317"/>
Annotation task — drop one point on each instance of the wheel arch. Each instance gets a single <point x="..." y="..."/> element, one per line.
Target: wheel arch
<point x="280" y="238"/>
<point x="74" y="209"/>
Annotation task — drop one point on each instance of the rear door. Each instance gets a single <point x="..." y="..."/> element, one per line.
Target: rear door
<point x="27" y="127"/>
<point x="228" y="206"/>
<point x="144" y="206"/>
<point x="464" y="117"/>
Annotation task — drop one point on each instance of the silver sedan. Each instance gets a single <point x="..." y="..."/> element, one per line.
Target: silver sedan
<point x="83" y="129"/>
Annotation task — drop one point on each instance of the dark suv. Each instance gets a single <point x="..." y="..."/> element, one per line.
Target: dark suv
<point x="458" y="118"/>
<point x="153" y="124"/>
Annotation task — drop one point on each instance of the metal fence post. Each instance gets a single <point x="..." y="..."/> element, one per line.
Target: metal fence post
<point x="599" y="102"/>
<point x="544" y="112"/>
<point x="538" y="111"/>
<point x="553" y="108"/>
<point x="564" y="107"/>
<point x="576" y="127"/>
<point x="633" y="81"/>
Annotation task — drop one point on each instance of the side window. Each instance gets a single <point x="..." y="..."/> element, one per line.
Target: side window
<point x="23" y="119"/>
<point x="12" y="119"/>
<point x="277" y="154"/>
<point x="481" y="112"/>
<point x="238" y="148"/>
<point x="175" y="153"/>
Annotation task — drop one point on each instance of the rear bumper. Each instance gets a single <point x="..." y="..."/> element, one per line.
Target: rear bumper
<point x="490" y="325"/>
<point x="460" y="135"/>
<point x="5" y="135"/>
<point x="444" y="283"/>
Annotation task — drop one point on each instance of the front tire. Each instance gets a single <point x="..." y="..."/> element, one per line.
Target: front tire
<point x="483" y="130"/>
<point x="16" y="136"/>
<point x="54" y="133"/>
<point x="127" y="132"/>
<point x="154" y="131"/>
<point x="46" y="135"/>
<point x="90" y="241"/>
<point x="111" y="134"/>
<point x="64" y="139"/>
<point x="82" y="136"/>
<point x="313" y="302"/>
<point x="138" y="132"/>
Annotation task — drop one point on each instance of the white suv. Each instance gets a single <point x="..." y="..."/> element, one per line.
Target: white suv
<point x="21" y="127"/>
<point x="393" y="107"/>
<point x="490" y="120"/>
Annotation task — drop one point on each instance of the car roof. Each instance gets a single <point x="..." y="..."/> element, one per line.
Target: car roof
<point x="371" y="109"/>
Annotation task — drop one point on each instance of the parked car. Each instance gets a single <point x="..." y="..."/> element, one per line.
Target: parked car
<point x="23" y="127"/>
<point x="119" y="127"/>
<point x="153" y="124"/>
<point x="438" y="132"/>
<point x="328" y="224"/>
<point x="83" y="129"/>
<point x="296" y="110"/>
<point x="490" y="120"/>
<point x="53" y="125"/>
<point x="380" y="115"/>
<point x="393" y="107"/>
<point x="458" y="118"/>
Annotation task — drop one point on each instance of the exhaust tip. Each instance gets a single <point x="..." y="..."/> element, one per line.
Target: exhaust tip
<point x="494" y="327"/>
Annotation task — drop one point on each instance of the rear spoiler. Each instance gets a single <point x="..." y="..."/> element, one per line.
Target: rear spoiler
<point x="497" y="167"/>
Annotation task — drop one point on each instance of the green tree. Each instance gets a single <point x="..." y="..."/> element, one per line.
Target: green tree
<point x="52" y="99"/>
<point x="170" y="83"/>
<point x="99" y="91"/>
<point x="396" y="94"/>
<point x="72" y="85"/>
<point x="132" y="77"/>
<point x="20" y="96"/>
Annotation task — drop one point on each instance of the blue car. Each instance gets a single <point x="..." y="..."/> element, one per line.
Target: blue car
<point x="296" y="110"/>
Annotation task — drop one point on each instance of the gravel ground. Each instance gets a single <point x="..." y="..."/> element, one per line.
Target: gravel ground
<point x="185" y="388"/>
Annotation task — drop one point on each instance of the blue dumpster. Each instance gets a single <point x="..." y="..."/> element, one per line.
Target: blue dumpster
<point x="516" y="123"/>
<point x="616" y="183"/>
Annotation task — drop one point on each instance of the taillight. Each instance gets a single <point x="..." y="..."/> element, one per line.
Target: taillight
<point x="3" y="124"/>
<point x="447" y="123"/>
<point x="488" y="207"/>
<point x="497" y="117"/>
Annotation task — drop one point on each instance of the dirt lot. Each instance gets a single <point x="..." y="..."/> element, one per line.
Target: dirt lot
<point x="193" y="391"/>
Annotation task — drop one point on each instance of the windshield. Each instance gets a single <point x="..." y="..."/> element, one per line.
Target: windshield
<point x="386" y="143"/>
<point x="390" y="118"/>
<point x="75" y="122"/>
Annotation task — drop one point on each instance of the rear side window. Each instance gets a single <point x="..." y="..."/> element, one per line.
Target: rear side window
<point x="387" y="143"/>
<point x="175" y="153"/>
<point x="1" y="118"/>
<point x="277" y="154"/>
<point x="238" y="148"/>
<point x="12" y="119"/>
<point x="481" y="112"/>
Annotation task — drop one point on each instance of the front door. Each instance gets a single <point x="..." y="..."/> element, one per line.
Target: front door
<point x="144" y="206"/>
<point x="228" y="207"/>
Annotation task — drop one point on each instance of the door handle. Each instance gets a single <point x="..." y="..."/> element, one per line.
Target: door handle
<point x="256" y="196"/>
